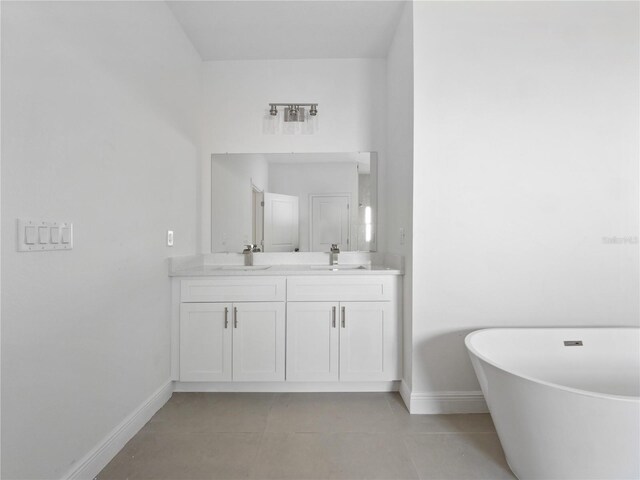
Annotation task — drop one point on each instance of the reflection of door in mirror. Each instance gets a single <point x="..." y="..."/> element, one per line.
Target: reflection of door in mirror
<point x="329" y="222"/>
<point x="280" y="222"/>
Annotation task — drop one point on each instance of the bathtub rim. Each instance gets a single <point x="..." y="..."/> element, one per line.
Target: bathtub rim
<point x="471" y="349"/>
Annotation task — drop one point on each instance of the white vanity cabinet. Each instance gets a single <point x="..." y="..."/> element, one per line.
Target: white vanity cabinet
<point x="312" y="341"/>
<point x="205" y="342"/>
<point x="369" y="341"/>
<point x="232" y="341"/>
<point x="353" y="338"/>
<point x="346" y="341"/>
<point x="295" y="331"/>
<point x="258" y="342"/>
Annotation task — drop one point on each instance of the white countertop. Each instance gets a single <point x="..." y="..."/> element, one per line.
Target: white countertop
<point x="230" y="270"/>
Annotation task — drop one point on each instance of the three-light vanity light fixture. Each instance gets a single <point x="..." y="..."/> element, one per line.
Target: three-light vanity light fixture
<point x="297" y="118"/>
<point x="294" y="112"/>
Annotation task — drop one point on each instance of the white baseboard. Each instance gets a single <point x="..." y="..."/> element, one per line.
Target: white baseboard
<point x="405" y="393"/>
<point x="286" y="386"/>
<point x="94" y="461"/>
<point x="442" y="402"/>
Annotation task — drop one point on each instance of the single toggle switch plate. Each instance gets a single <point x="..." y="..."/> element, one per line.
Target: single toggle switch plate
<point x="42" y="235"/>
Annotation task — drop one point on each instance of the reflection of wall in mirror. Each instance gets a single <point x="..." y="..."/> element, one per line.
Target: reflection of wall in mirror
<point x="232" y="178"/>
<point x="257" y="220"/>
<point x="305" y="179"/>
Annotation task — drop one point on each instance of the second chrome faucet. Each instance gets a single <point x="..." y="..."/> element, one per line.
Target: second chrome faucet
<point x="248" y="252"/>
<point x="333" y="258"/>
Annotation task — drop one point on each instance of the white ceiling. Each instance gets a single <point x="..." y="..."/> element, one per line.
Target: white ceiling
<point x="257" y="30"/>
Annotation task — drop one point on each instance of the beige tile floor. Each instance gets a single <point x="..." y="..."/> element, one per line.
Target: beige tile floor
<point x="307" y="436"/>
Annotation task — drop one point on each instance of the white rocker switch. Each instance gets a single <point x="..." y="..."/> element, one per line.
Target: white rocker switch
<point x="30" y="235"/>
<point x="66" y="235"/>
<point x="43" y="234"/>
<point x="55" y="235"/>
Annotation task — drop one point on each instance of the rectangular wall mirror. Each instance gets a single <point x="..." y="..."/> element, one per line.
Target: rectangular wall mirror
<point x="294" y="201"/>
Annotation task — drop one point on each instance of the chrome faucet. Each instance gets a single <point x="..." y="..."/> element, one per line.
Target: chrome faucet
<point x="248" y="252"/>
<point x="333" y="259"/>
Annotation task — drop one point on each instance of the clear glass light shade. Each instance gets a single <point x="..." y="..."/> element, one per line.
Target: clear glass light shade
<point x="291" y="128"/>
<point x="310" y="124"/>
<point x="271" y="123"/>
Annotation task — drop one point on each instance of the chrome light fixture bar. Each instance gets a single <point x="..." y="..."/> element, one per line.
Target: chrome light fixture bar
<point x="294" y="112"/>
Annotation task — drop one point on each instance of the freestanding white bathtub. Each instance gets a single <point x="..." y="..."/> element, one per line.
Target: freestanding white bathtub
<point x="563" y="410"/>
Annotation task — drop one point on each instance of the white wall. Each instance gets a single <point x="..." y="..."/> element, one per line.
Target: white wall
<point x="351" y="111"/>
<point x="99" y="127"/>
<point x="231" y="198"/>
<point x="397" y="178"/>
<point x="304" y="179"/>
<point x="526" y="156"/>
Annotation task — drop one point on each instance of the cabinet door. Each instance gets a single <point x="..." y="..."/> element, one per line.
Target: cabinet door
<point x="205" y="342"/>
<point x="368" y="342"/>
<point x="312" y="341"/>
<point x="258" y="341"/>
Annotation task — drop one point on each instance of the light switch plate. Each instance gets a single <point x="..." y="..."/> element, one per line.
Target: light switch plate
<point x="44" y="235"/>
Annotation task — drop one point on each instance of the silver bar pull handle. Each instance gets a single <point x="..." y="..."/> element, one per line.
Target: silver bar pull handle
<point x="235" y="317"/>
<point x="333" y="317"/>
<point x="226" y="317"/>
<point x="343" y="316"/>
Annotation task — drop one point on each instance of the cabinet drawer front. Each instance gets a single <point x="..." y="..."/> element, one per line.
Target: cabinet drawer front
<point x="342" y="288"/>
<point x="234" y="289"/>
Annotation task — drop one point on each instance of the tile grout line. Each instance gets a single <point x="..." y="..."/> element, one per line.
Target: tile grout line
<point x="450" y="433"/>
<point x="387" y="398"/>
<point x="413" y="463"/>
<point x="255" y="463"/>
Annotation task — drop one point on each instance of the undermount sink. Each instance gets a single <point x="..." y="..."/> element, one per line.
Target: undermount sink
<point x="338" y="267"/>
<point x="244" y="267"/>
